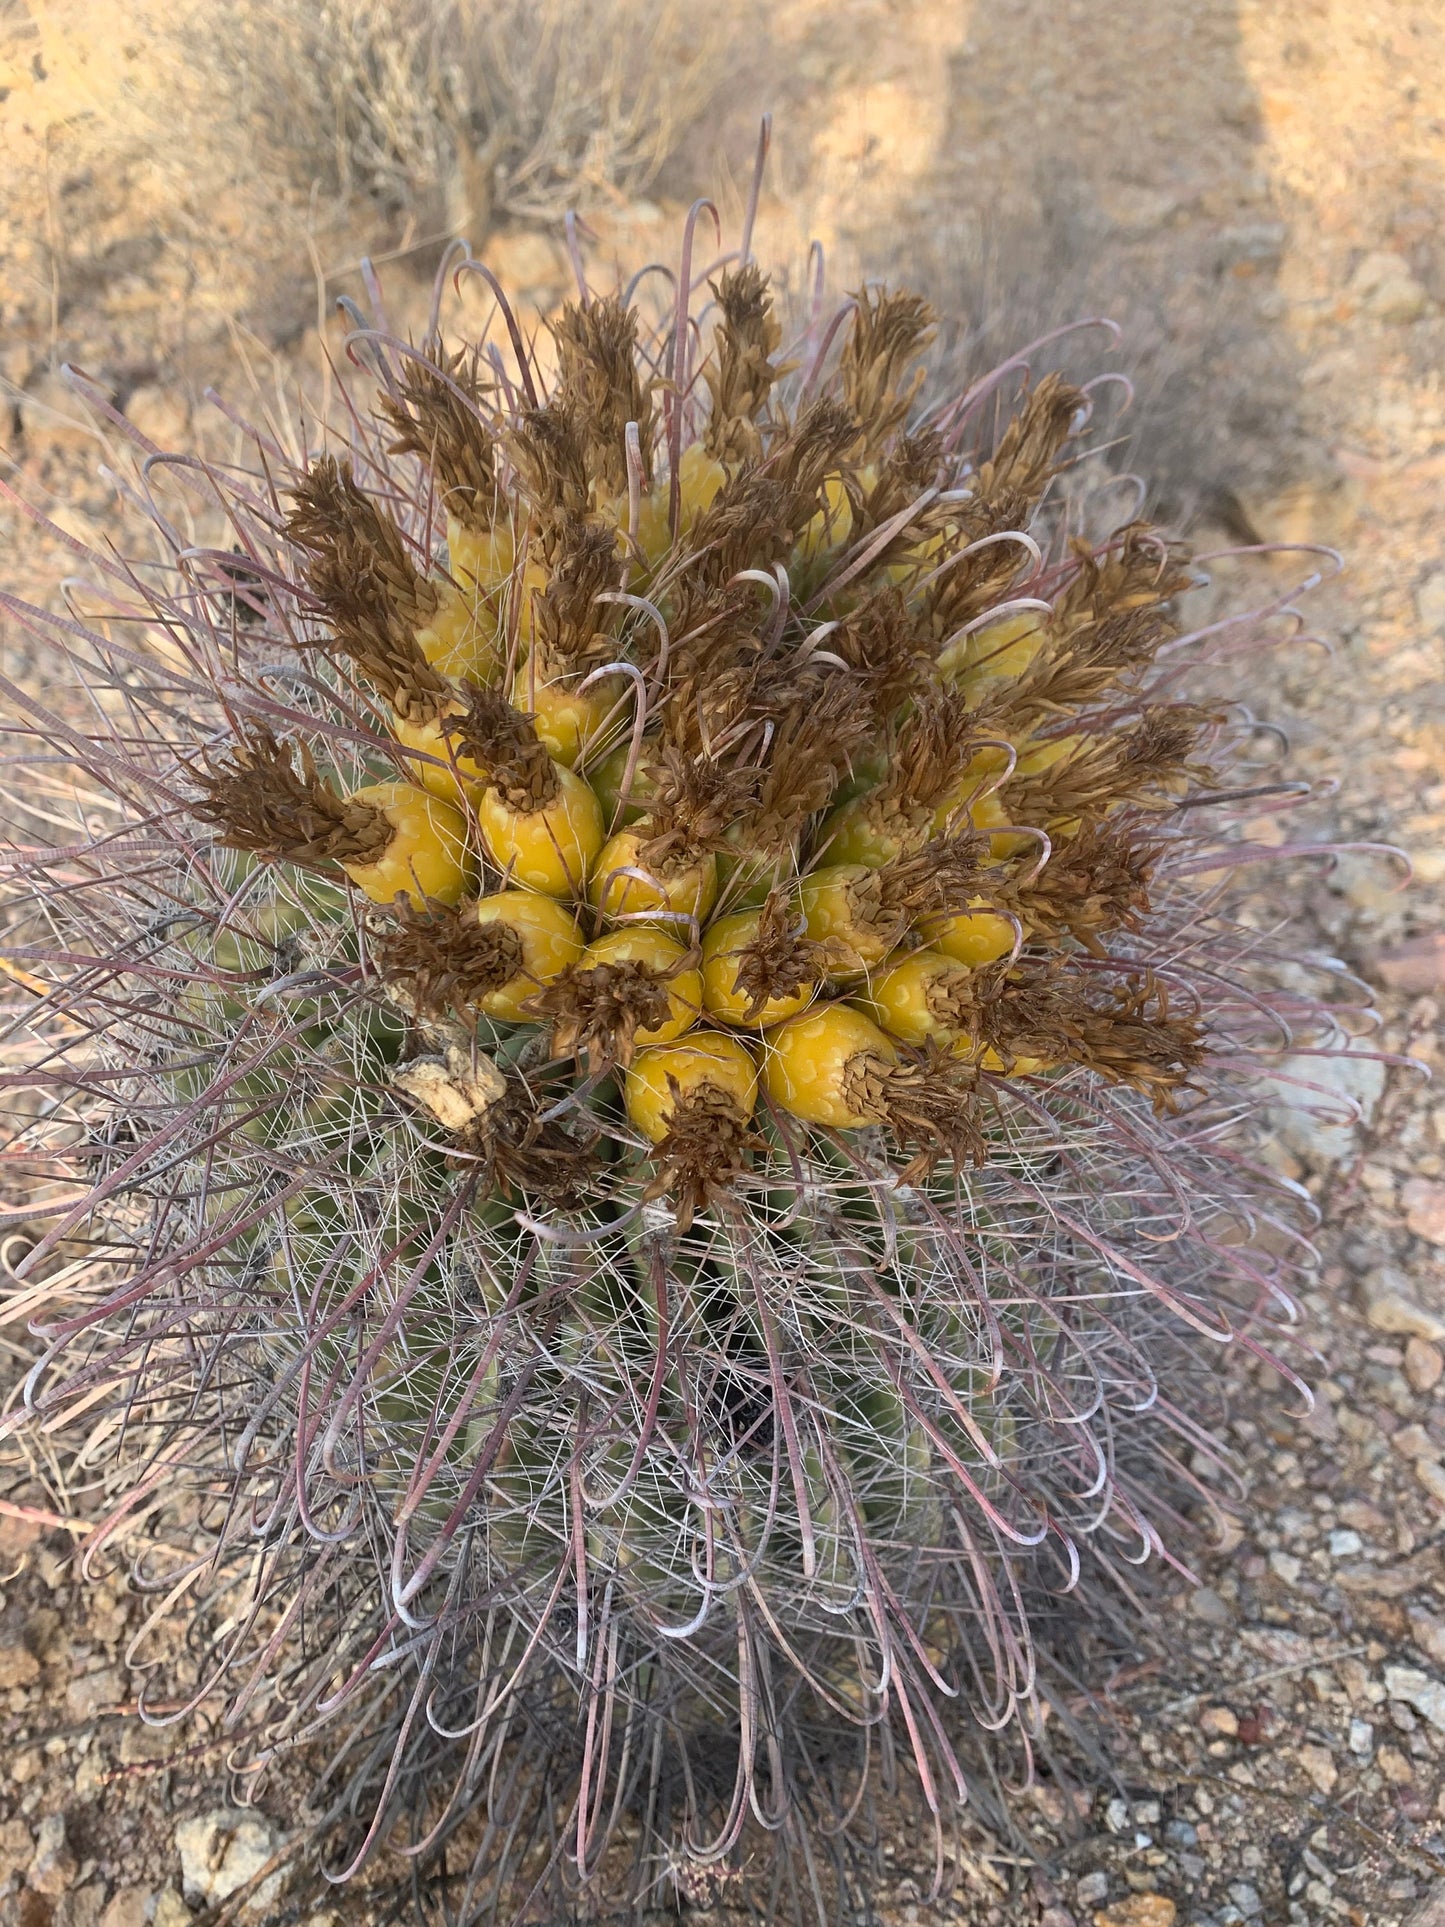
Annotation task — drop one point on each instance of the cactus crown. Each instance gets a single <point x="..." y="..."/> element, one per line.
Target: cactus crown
<point x="658" y="1382"/>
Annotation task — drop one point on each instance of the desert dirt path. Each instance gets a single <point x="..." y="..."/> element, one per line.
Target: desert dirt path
<point x="1256" y="190"/>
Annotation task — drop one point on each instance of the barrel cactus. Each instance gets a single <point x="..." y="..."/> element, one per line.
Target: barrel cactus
<point x="666" y="1079"/>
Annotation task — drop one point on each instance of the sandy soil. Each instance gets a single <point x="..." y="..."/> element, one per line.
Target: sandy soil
<point x="1255" y="189"/>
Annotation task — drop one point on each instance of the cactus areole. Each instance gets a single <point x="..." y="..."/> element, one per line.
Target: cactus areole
<point x="662" y="1073"/>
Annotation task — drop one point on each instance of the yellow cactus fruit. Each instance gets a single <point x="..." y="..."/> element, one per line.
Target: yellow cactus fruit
<point x="645" y="945"/>
<point x="550" y="941"/>
<point x="700" y="478"/>
<point x="551" y="849"/>
<point x="842" y="910"/>
<point x="565" y="718"/>
<point x="609" y="773"/>
<point x="453" y="777"/>
<point x="460" y="639"/>
<point x="723" y="950"/>
<point x="831" y="527"/>
<point x="427" y="853"/>
<point x="824" y="1066"/>
<point x="690" y="891"/>
<point x="997" y="652"/>
<point x="857" y="833"/>
<point x="917" y="996"/>
<point x="661" y="1079"/>
<point x="975" y="936"/>
<point x="480" y="557"/>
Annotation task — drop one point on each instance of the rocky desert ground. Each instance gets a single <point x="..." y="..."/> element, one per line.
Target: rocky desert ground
<point x="1255" y="190"/>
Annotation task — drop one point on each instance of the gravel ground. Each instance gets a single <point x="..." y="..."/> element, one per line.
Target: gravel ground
<point x="1257" y="191"/>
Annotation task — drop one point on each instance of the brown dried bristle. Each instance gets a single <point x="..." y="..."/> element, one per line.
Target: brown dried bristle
<point x="703" y="1151"/>
<point x="549" y="446"/>
<point x="503" y="743"/>
<point x="781" y="960"/>
<point x="523" y="1156"/>
<point x="889" y="332"/>
<point x="597" y="1010"/>
<point x="943" y="876"/>
<point x="741" y="377"/>
<point x="600" y="386"/>
<point x="571" y="626"/>
<point x="436" y="410"/>
<point x="692" y="805"/>
<point x="1094" y="882"/>
<point x="443" y="959"/>
<point x="266" y="797"/>
<point x="931" y="1108"/>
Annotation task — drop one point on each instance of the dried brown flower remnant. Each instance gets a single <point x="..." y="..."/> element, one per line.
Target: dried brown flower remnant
<point x="931" y="1107"/>
<point x="598" y="1010"/>
<point x="570" y="624"/>
<point x="266" y="796"/>
<point x="1093" y="882"/>
<point x="549" y="446"/>
<point x="741" y="377"/>
<point x="500" y="740"/>
<point x="703" y="1151"/>
<point x="601" y="387"/>
<point x="436" y="411"/>
<point x="889" y="332"/>
<point x="781" y="959"/>
<point x="443" y="959"/>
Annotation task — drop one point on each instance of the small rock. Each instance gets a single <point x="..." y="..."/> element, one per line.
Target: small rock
<point x="1430" y="602"/>
<point x="1390" y="1308"/>
<point x="1258" y="242"/>
<point x="1413" y="1442"/>
<point x="1139" y="209"/>
<point x="1219" y="1722"/>
<point x="1431" y="1911"/>
<point x="1417" y="1689"/>
<point x="1345" y="1544"/>
<point x="16" y="1848"/>
<point x="1180" y="1833"/>
<point x="221" y="1850"/>
<point x="1362" y="1739"/>
<point x="52" y="415"/>
<point x="1430" y="1473"/>
<point x="1427" y="1632"/>
<point x="171" y="1910"/>
<point x="1424" y="1203"/>
<point x="92" y="1693"/>
<point x="1415" y="966"/>
<point x="1285" y="1567"/>
<point x="1116" y="1815"/>
<point x="1385" y="288"/>
<point x="53" y="1866"/>
<point x="1246" y="1897"/>
<point x="1424" y="1365"/>
<point x="160" y="414"/>
<point x="1208" y="1605"/>
<point x="1394" y="1765"/>
<point x="1091" y="1889"/>
<point x="18" y="1666"/>
<point x="82" y="1906"/>
<point x="1139" y="1910"/>
<point x="131" y="1907"/>
<point x="1318" y="1763"/>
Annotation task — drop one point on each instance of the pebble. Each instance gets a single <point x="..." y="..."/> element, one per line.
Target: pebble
<point x="1139" y="1910"/>
<point x="1386" y="289"/>
<point x="1246" y="1897"/>
<point x="1430" y="1473"/>
<point x="16" y="1847"/>
<point x="1424" y="1365"/>
<point x="159" y="413"/>
<point x="131" y="1907"/>
<point x="1208" y="1605"/>
<point x="1362" y="1738"/>
<point x="1417" y="1689"/>
<point x="1319" y="1765"/>
<point x="52" y="415"/>
<point x="1389" y="1307"/>
<point x="1428" y="1633"/>
<point x="1180" y="1833"/>
<point x="221" y="1850"/>
<point x="1430" y="603"/>
<point x="1416" y="965"/>
<point x="1424" y="1204"/>
<point x="1345" y="1544"/>
<point x="1219" y="1722"/>
<point x="1091" y="1889"/>
<point x="53" y="1866"/>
